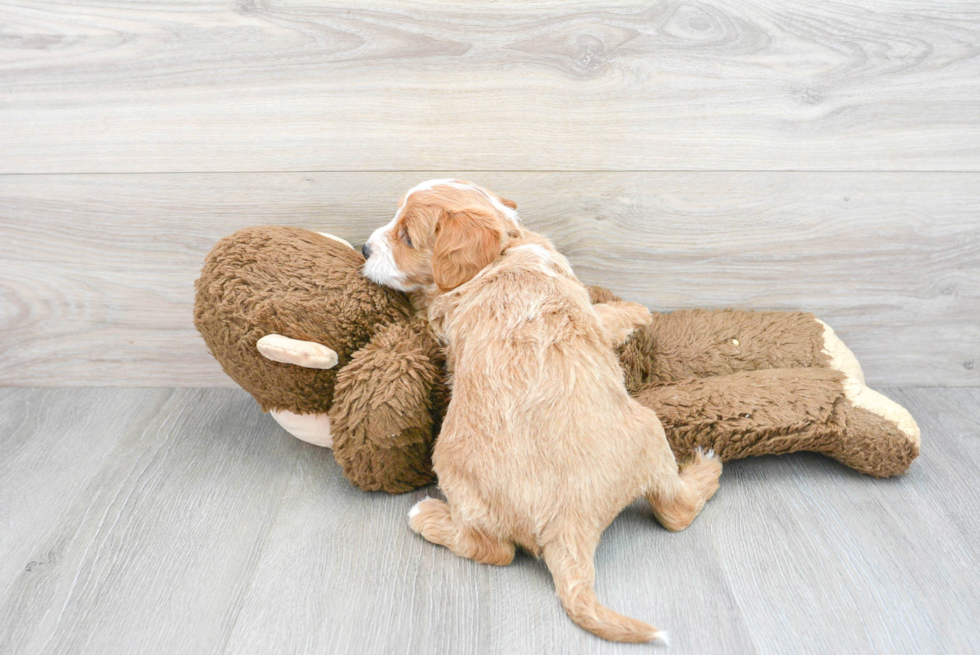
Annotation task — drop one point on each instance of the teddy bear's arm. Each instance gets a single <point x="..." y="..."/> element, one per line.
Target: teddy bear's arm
<point x="382" y="415"/>
<point x="308" y="354"/>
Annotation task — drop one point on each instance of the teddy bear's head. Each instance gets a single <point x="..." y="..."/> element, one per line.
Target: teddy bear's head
<point x="287" y="281"/>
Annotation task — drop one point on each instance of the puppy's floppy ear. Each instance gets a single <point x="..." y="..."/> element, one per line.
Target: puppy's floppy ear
<point x="466" y="242"/>
<point x="508" y="203"/>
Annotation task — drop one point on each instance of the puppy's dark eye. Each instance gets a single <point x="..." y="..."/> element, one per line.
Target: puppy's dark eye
<point x="407" y="239"/>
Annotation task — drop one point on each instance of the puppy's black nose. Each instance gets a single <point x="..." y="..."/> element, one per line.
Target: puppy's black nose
<point x="366" y="250"/>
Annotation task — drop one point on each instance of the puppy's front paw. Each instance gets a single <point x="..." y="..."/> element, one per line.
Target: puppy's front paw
<point x="637" y="314"/>
<point x="619" y="318"/>
<point x="702" y="471"/>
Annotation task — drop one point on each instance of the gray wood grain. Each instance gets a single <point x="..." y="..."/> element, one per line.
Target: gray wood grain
<point x="153" y="543"/>
<point x="97" y="270"/>
<point x="251" y="85"/>
<point x="162" y="521"/>
<point x="891" y="563"/>
<point x="54" y="445"/>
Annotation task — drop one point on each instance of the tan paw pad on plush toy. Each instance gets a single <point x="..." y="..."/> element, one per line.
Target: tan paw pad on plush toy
<point x="860" y="395"/>
<point x="311" y="428"/>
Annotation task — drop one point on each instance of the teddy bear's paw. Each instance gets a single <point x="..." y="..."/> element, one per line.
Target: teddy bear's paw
<point x="311" y="428"/>
<point x="841" y="357"/>
<point x="860" y="395"/>
<point x="866" y="398"/>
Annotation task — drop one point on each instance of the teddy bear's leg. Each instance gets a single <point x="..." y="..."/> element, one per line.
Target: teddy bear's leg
<point x="701" y="343"/>
<point x="695" y="343"/>
<point x="688" y="343"/>
<point x="875" y="445"/>
<point x="839" y="355"/>
<point x="777" y="411"/>
<point x="860" y="395"/>
<point x="763" y="340"/>
<point x="385" y="408"/>
<point x="311" y="428"/>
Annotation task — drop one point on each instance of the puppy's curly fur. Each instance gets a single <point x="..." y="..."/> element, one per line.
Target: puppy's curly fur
<point x="542" y="446"/>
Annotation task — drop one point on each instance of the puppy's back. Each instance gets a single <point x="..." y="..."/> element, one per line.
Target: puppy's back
<point x="538" y="393"/>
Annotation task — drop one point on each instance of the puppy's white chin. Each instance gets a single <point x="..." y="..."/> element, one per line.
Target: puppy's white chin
<point x="375" y="270"/>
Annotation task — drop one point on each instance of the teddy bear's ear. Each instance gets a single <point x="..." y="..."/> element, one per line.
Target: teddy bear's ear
<point x="336" y="238"/>
<point x="307" y="354"/>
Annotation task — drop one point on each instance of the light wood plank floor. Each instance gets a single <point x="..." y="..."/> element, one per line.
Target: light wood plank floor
<point x="185" y="521"/>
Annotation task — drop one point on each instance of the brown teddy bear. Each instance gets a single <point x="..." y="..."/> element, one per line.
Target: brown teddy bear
<point x="342" y="362"/>
<point x="336" y="359"/>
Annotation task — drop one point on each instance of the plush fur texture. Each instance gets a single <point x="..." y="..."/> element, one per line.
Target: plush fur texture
<point x="385" y="397"/>
<point x="774" y="392"/>
<point x="759" y="383"/>
<point x="390" y="403"/>
<point x="542" y="445"/>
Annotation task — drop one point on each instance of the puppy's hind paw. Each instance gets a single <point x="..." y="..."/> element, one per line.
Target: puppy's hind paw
<point x="702" y="471"/>
<point x="705" y="454"/>
<point x="427" y="514"/>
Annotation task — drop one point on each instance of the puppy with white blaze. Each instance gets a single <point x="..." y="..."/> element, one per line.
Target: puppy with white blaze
<point x="542" y="446"/>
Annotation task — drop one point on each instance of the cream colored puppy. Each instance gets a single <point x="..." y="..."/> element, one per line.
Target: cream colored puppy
<point x="541" y="446"/>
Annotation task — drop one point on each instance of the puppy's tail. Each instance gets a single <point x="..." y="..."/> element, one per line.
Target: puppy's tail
<point x="573" y="571"/>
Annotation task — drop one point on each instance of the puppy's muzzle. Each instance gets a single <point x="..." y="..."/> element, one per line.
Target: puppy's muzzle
<point x="366" y="250"/>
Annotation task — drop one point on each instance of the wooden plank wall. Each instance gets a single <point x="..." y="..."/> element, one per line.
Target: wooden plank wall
<point x="813" y="155"/>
